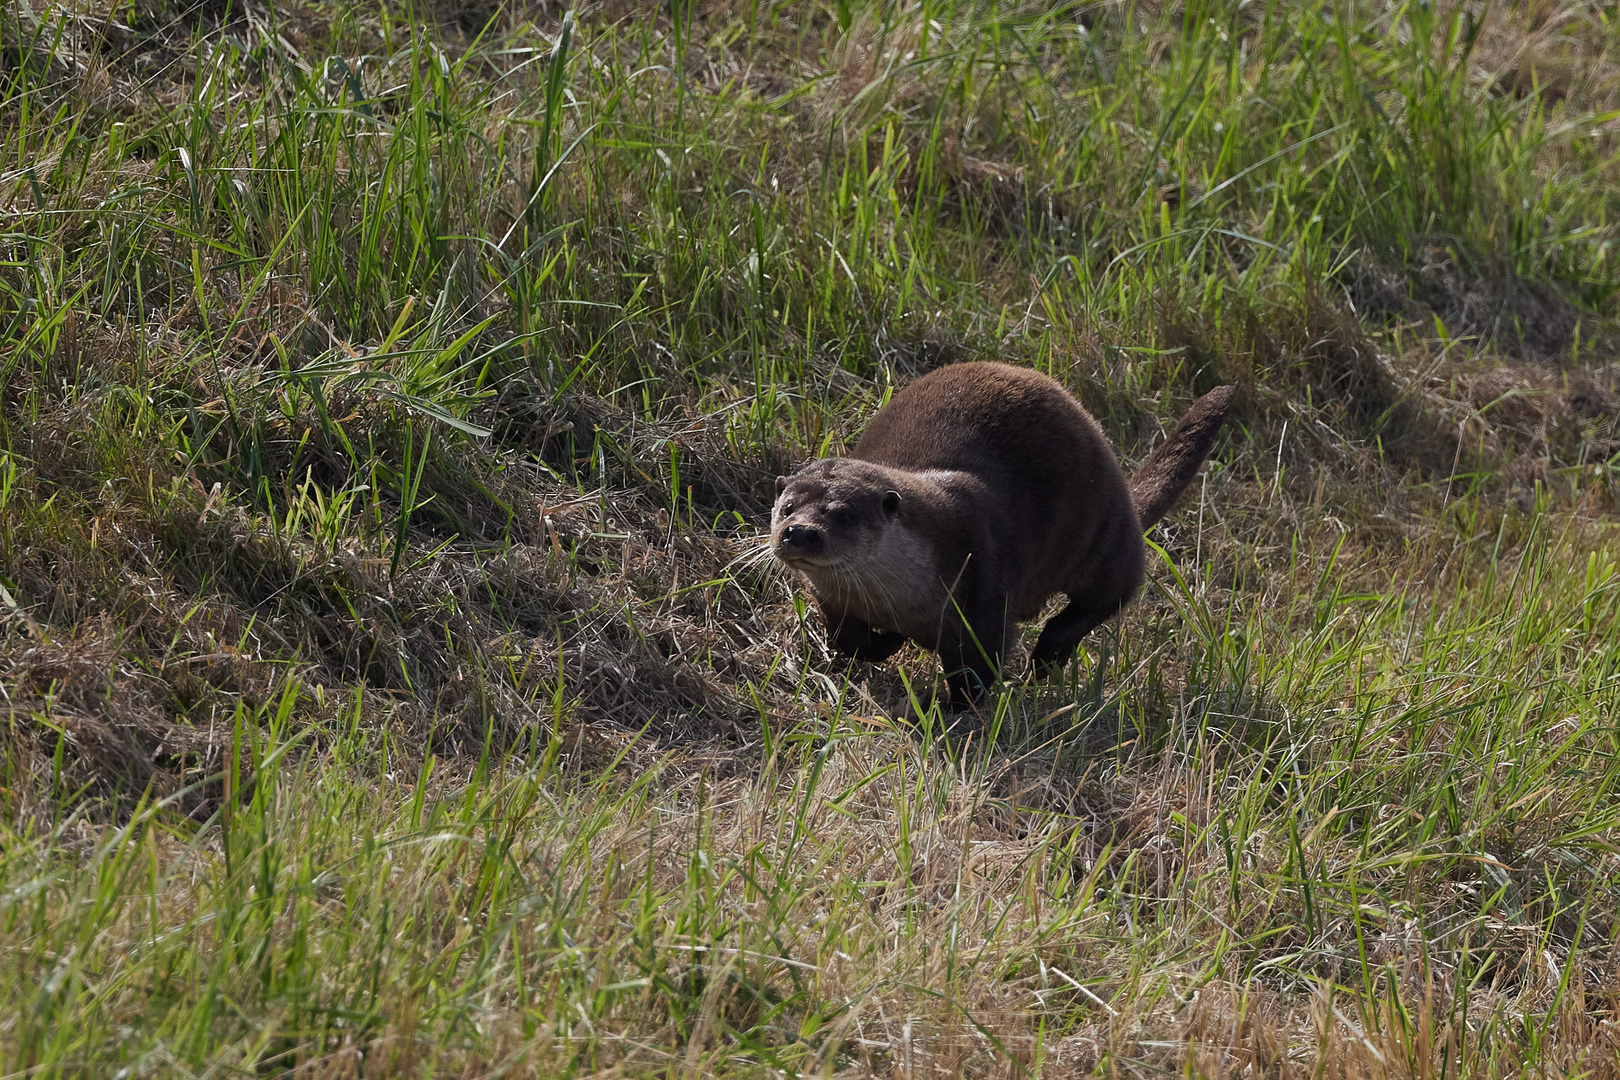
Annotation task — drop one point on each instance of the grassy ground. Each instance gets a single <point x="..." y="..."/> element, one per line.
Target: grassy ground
<point x="389" y="406"/>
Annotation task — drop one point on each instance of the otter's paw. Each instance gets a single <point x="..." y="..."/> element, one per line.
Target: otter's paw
<point x="1048" y="668"/>
<point x="1049" y="657"/>
<point x="860" y="642"/>
<point x="967" y="689"/>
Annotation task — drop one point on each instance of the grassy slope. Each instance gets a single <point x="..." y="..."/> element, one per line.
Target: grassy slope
<point x="390" y="406"/>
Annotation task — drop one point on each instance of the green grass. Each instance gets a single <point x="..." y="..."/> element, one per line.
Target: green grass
<point x="389" y="405"/>
<point x="1392" y="812"/>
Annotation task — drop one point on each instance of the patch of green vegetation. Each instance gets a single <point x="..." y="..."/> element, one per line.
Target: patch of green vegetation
<point x="389" y="404"/>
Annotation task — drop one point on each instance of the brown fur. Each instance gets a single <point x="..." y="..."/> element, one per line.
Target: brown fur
<point x="977" y="493"/>
<point x="1162" y="477"/>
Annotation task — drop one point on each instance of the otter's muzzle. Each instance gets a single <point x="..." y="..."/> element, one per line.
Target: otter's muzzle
<point x="800" y="541"/>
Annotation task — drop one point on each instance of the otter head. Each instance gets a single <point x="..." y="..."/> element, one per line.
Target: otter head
<point x="831" y="513"/>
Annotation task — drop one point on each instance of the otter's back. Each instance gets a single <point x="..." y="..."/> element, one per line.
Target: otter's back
<point x="999" y="422"/>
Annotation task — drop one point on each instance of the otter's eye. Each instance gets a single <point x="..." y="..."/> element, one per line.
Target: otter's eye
<point x="787" y="508"/>
<point x="844" y="518"/>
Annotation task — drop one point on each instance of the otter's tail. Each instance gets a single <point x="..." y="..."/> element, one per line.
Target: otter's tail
<point x="1169" y="469"/>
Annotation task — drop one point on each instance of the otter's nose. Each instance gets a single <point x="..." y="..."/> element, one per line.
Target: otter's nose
<point x="801" y="538"/>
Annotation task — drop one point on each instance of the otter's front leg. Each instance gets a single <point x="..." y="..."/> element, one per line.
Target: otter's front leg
<point x="853" y="638"/>
<point x="973" y="659"/>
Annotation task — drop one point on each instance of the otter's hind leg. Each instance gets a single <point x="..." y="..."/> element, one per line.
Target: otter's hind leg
<point x="1064" y="631"/>
<point x="854" y="638"/>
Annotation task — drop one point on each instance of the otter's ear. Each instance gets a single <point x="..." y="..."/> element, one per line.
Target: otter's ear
<point x="781" y="484"/>
<point x="891" y="503"/>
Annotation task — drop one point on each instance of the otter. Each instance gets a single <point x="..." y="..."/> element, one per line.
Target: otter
<point x="977" y="493"/>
